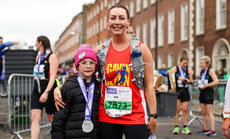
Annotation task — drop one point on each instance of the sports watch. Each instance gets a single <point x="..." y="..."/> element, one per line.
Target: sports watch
<point x="155" y="115"/>
<point x="224" y="116"/>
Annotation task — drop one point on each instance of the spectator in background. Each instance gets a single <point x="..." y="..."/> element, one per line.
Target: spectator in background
<point x="2" y="46"/>
<point x="221" y="88"/>
<point x="63" y="70"/>
<point x="130" y="31"/>
<point x="226" y="74"/>
<point x="163" y="70"/>
<point x="71" y="70"/>
<point x="226" y="113"/>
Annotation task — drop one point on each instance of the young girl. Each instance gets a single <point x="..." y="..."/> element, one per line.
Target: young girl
<point x="79" y="118"/>
<point x="208" y="80"/>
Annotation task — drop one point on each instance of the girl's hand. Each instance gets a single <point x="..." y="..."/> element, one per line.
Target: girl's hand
<point x="43" y="97"/>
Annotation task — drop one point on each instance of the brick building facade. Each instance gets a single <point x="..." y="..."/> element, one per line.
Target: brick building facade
<point x="212" y="33"/>
<point x="185" y="27"/>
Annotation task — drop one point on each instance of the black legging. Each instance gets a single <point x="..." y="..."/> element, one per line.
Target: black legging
<point x="115" y="131"/>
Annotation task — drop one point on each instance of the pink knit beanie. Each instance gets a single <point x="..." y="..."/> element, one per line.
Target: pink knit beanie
<point x="83" y="52"/>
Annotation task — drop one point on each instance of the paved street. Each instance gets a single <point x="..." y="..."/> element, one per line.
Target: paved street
<point x="164" y="128"/>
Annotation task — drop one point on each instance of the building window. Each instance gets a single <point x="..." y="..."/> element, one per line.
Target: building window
<point x="161" y="30"/>
<point x="145" y="33"/>
<point x="138" y="6"/>
<point x="98" y="9"/>
<point x="97" y="27"/>
<point x="113" y="2"/>
<point x="105" y="21"/>
<point x="101" y="24"/>
<point x="153" y="33"/>
<point x="160" y="61"/>
<point x="199" y="17"/>
<point x="184" y="22"/>
<point x="102" y="6"/>
<point x="105" y="3"/>
<point x="171" y="23"/>
<point x="199" y="54"/>
<point x="138" y="32"/>
<point x="220" y="14"/>
<point x="94" y="12"/>
<point x="109" y="5"/>
<point x="153" y="1"/>
<point x="145" y="4"/>
<point x="131" y="9"/>
<point x="170" y="60"/>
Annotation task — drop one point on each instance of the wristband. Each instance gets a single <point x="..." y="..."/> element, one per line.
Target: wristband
<point x="47" y="91"/>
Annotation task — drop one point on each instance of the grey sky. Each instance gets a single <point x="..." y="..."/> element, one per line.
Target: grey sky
<point x="24" y="20"/>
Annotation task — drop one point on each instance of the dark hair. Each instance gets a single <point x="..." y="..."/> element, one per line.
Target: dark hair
<point x="1" y="37"/>
<point x="119" y="6"/>
<point x="184" y="58"/>
<point x="45" y="42"/>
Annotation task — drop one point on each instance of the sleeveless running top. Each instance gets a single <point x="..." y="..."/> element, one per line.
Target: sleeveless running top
<point x="179" y="84"/>
<point x="121" y="76"/>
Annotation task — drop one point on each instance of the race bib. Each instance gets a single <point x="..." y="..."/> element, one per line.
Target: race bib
<point x="118" y="101"/>
<point x="180" y="83"/>
<point x="201" y="85"/>
<point x="40" y="74"/>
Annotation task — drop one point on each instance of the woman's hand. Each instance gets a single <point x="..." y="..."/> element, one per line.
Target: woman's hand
<point x="43" y="97"/>
<point x="152" y="125"/>
<point x="58" y="98"/>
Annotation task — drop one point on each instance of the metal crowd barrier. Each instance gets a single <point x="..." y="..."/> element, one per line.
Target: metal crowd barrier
<point x="218" y="104"/>
<point x="20" y="87"/>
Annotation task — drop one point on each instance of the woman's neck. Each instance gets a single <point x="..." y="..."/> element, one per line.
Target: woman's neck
<point x="204" y="68"/>
<point x="120" y="42"/>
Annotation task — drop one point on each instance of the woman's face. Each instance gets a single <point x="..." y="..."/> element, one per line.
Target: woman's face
<point x="38" y="45"/>
<point x="203" y="65"/>
<point x="118" y="21"/>
<point x="184" y="64"/>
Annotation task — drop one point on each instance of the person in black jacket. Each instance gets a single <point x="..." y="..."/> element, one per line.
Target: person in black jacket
<point x="81" y="95"/>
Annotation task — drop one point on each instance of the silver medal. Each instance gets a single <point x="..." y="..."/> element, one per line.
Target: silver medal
<point x="87" y="126"/>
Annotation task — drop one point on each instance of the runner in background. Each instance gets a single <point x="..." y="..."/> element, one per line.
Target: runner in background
<point x="183" y="78"/>
<point x="46" y="71"/>
<point x="208" y="80"/>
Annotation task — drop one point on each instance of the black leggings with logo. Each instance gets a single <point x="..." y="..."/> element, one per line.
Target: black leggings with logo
<point x="115" y="131"/>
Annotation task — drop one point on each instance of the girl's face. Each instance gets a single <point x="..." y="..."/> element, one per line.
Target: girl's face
<point x="87" y="68"/>
<point x="203" y="65"/>
<point x="118" y="21"/>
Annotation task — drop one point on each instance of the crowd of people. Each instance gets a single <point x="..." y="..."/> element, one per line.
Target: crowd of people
<point x="112" y="103"/>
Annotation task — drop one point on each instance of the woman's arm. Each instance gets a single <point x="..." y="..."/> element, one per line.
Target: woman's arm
<point x="58" y="97"/>
<point x="148" y="80"/>
<point x="214" y="78"/>
<point x="53" y="72"/>
<point x="190" y="80"/>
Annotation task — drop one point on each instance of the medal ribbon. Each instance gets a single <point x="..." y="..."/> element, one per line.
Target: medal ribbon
<point x="41" y="57"/>
<point x="203" y="76"/>
<point x="183" y="74"/>
<point x="89" y="99"/>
